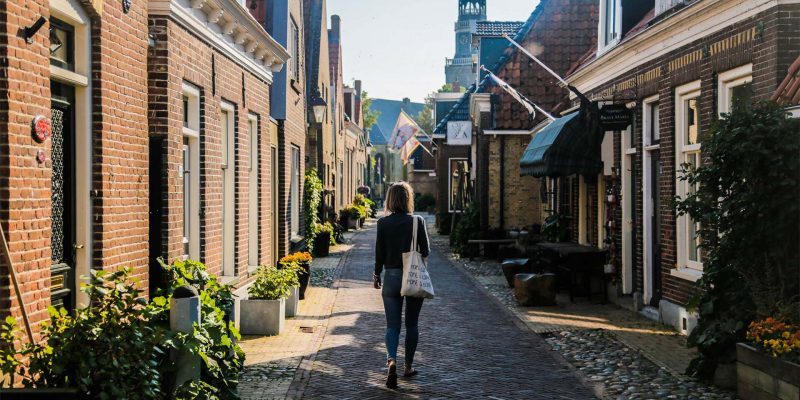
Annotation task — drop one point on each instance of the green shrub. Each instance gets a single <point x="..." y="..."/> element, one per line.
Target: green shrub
<point x="424" y="202"/>
<point x="327" y="228"/>
<point x="468" y="226"/>
<point x="352" y="212"/>
<point x="111" y="350"/>
<point x="444" y="223"/>
<point x="272" y="283"/>
<point x="747" y="206"/>
<point x="312" y="197"/>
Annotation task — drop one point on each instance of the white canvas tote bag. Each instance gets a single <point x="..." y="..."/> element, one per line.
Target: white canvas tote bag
<point x="416" y="280"/>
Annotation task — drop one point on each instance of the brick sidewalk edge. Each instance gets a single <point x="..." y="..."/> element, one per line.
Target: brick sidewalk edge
<point x="596" y="388"/>
<point x="303" y="373"/>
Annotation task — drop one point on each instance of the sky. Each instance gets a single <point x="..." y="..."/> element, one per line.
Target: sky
<point x="397" y="48"/>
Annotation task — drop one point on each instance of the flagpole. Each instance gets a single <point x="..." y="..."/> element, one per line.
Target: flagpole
<point x="521" y="95"/>
<point x="560" y="79"/>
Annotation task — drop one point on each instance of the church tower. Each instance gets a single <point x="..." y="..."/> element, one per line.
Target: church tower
<point x="460" y="69"/>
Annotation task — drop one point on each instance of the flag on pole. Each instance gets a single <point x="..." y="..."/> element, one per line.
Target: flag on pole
<point x="404" y="129"/>
<point x="513" y="93"/>
<point x="529" y="105"/>
<point x="408" y="149"/>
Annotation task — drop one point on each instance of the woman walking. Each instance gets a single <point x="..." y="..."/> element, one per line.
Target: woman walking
<point x="394" y="238"/>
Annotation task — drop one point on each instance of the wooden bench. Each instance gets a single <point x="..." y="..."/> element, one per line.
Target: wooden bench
<point x="482" y="242"/>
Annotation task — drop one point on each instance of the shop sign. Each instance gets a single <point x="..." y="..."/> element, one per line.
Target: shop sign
<point x="615" y="117"/>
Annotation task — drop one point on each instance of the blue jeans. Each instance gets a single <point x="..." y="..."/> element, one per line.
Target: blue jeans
<point x="393" y="306"/>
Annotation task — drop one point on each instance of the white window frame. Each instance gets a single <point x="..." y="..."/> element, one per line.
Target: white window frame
<point x="253" y="195"/>
<point x="628" y="212"/>
<point x="686" y="269"/>
<point x="648" y="149"/>
<point x="228" y="147"/>
<point x="602" y="45"/>
<point x="450" y="182"/>
<point x="294" y="48"/>
<point x="727" y="81"/>
<point x="294" y="194"/>
<point x="192" y="134"/>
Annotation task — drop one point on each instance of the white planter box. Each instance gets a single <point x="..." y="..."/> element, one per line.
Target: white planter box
<point x="262" y="317"/>
<point x="293" y="302"/>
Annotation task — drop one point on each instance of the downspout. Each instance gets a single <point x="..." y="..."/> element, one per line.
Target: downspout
<point x="502" y="181"/>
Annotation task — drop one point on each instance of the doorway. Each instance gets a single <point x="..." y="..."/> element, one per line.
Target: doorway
<point x="63" y="214"/>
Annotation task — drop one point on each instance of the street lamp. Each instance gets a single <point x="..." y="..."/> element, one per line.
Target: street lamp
<point x="319" y="106"/>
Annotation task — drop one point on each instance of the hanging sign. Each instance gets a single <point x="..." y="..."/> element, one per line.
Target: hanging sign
<point x="615" y="117"/>
<point x="459" y="133"/>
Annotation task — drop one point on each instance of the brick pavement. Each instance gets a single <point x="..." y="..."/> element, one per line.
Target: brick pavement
<point x="661" y="344"/>
<point x="469" y="346"/>
<point x="271" y="363"/>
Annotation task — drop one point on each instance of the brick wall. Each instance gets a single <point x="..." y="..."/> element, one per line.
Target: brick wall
<point x="520" y="194"/>
<point x="292" y="132"/>
<point x="178" y="57"/>
<point x="24" y="184"/>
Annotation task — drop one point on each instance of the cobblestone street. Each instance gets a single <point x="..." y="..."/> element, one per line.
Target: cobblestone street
<point x="469" y="346"/>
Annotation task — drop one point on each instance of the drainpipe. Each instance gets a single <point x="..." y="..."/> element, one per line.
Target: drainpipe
<point x="502" y="181"/>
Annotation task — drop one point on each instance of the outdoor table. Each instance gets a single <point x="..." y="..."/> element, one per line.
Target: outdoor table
<point x="482" y="242"/>
<point x="574" y="259"/>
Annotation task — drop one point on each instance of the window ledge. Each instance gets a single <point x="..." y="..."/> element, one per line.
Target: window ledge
<point x="296" y="239"/>
<point x="230" y="280"/>
<point x="688" y="274"/>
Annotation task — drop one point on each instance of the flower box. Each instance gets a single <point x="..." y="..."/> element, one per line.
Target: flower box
<point x="763" y="377"/>
<point x="262" y="317"/>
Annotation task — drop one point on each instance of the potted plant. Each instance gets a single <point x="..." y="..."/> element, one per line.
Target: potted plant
<point x="322" y="240"/>
<point x="349" y="216"/>
<point x="302" y="259"/>
<point x="293" y="271"/>
<point x="768" y="365"/>
<point x="264" y="311"/>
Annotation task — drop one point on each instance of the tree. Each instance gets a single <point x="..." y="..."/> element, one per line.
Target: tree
<point x="747" y="206"/>
<point x="370" y="116"/>
<point x="425" y="117"/>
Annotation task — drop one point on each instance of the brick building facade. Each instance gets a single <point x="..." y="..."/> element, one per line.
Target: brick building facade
<point x="210" y="137"/>
<point x="676" y="81"/>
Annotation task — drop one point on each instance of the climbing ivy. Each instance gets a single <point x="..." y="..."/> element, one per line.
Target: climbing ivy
<point x="312" y="192"/>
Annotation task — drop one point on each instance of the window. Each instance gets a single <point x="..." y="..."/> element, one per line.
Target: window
<point x="459" y="181"/>
<point x="735" y="86"/>
<point x="294" y="48"/>
<point x="189" y="172"/>
<point x="253" y="198"/>
<point x="610" y="13"/>
<point x="652" y="130"/>
<point x="228" y="134"/>
<point x="62" y="44"/>
<point x="294" y="194"/>
<point x="687" y="153"/>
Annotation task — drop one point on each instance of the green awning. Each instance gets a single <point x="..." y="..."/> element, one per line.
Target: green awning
<point x="565" y="147"/>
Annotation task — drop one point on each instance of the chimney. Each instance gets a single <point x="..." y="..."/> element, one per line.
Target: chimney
<point x="335" y="26"/>
<point x="357" y="85"/>
<point x="406" y="101"/>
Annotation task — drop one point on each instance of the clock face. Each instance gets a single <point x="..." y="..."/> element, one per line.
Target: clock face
<point x="463" y="39"/>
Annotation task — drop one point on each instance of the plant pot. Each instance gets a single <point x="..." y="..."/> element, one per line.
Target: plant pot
<point x="352" y="223"/>
<point x="322" y="244"/>
<point x="361" y="222"/>
<point x="42" y="393"/>
<point x="304" y="277"/>
<point x="262" y="317"/>
<point x="293" y="301"/>
<point x="761" y="376"/>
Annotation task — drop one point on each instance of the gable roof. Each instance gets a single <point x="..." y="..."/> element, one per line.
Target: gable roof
<point x="788" y="92"/>
<point x="497" y="28"/>
<point x="460" y="111"/>
<point x="389" y="111"/>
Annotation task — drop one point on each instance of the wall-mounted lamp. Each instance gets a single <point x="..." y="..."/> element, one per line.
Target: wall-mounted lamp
<point x="31" y="30"/>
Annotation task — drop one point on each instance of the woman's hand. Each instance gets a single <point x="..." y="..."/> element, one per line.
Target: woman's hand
<point x="376" y="281"/>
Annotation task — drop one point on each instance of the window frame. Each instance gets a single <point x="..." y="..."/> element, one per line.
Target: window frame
<point x="294" y="48"/>
<point x="450" y="181"/>
<point x="294" y="193"/>
<point x="687" y="269"/>
<point x="191" y="144"/>
<point x="728" y="80"/>
<point x="603" y="45"/>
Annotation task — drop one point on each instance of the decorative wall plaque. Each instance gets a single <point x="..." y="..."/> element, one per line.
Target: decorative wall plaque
<point x="41" y="129"/>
